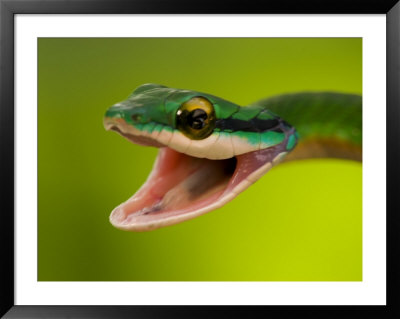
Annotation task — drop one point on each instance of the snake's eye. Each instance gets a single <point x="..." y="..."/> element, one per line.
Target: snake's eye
<point x="196" y="118"/>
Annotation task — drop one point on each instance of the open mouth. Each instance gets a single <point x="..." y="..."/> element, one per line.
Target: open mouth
<point x="181" y="187"/>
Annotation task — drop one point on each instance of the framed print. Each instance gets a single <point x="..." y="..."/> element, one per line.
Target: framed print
<point x="97" y="223"/>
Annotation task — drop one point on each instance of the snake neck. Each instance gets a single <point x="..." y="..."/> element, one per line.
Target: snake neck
<point x="325" y="148"/>
<point x="329" y="124"/>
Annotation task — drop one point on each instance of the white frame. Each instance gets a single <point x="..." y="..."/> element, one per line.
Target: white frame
<point x="371" y="291"/>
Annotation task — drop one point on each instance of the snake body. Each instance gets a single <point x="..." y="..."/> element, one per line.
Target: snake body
<point x="212" y="149"/>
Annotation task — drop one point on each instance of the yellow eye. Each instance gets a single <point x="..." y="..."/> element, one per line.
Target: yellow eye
<point x="196" y="118"/>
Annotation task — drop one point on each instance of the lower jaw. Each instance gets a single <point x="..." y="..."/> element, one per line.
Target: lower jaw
<point x="181" y="187"/>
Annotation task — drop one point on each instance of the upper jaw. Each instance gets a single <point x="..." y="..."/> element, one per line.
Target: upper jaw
<point x="129" y="132"/>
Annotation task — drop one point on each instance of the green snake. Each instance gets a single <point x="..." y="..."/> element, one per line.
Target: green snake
<point x="211" y="149"/>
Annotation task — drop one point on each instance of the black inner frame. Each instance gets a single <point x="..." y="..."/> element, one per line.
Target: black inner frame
<point x="8" y="9"/>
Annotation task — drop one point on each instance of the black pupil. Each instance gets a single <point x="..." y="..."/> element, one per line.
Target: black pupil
<point x="196" y="119"/>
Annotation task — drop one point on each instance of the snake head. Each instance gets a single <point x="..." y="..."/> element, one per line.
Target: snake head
<point x="210" y="151"/>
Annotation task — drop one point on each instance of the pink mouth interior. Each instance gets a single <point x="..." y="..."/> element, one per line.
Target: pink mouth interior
<point x="180" y="184"/>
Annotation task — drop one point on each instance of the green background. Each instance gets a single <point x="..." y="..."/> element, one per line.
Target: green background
<point x="301" y="222"/>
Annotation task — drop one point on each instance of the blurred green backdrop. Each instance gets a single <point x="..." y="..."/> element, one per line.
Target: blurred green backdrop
<point x="301" y="222"/>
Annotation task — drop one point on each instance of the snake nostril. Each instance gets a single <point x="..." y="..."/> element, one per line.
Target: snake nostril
<point x="136" y="117"/>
